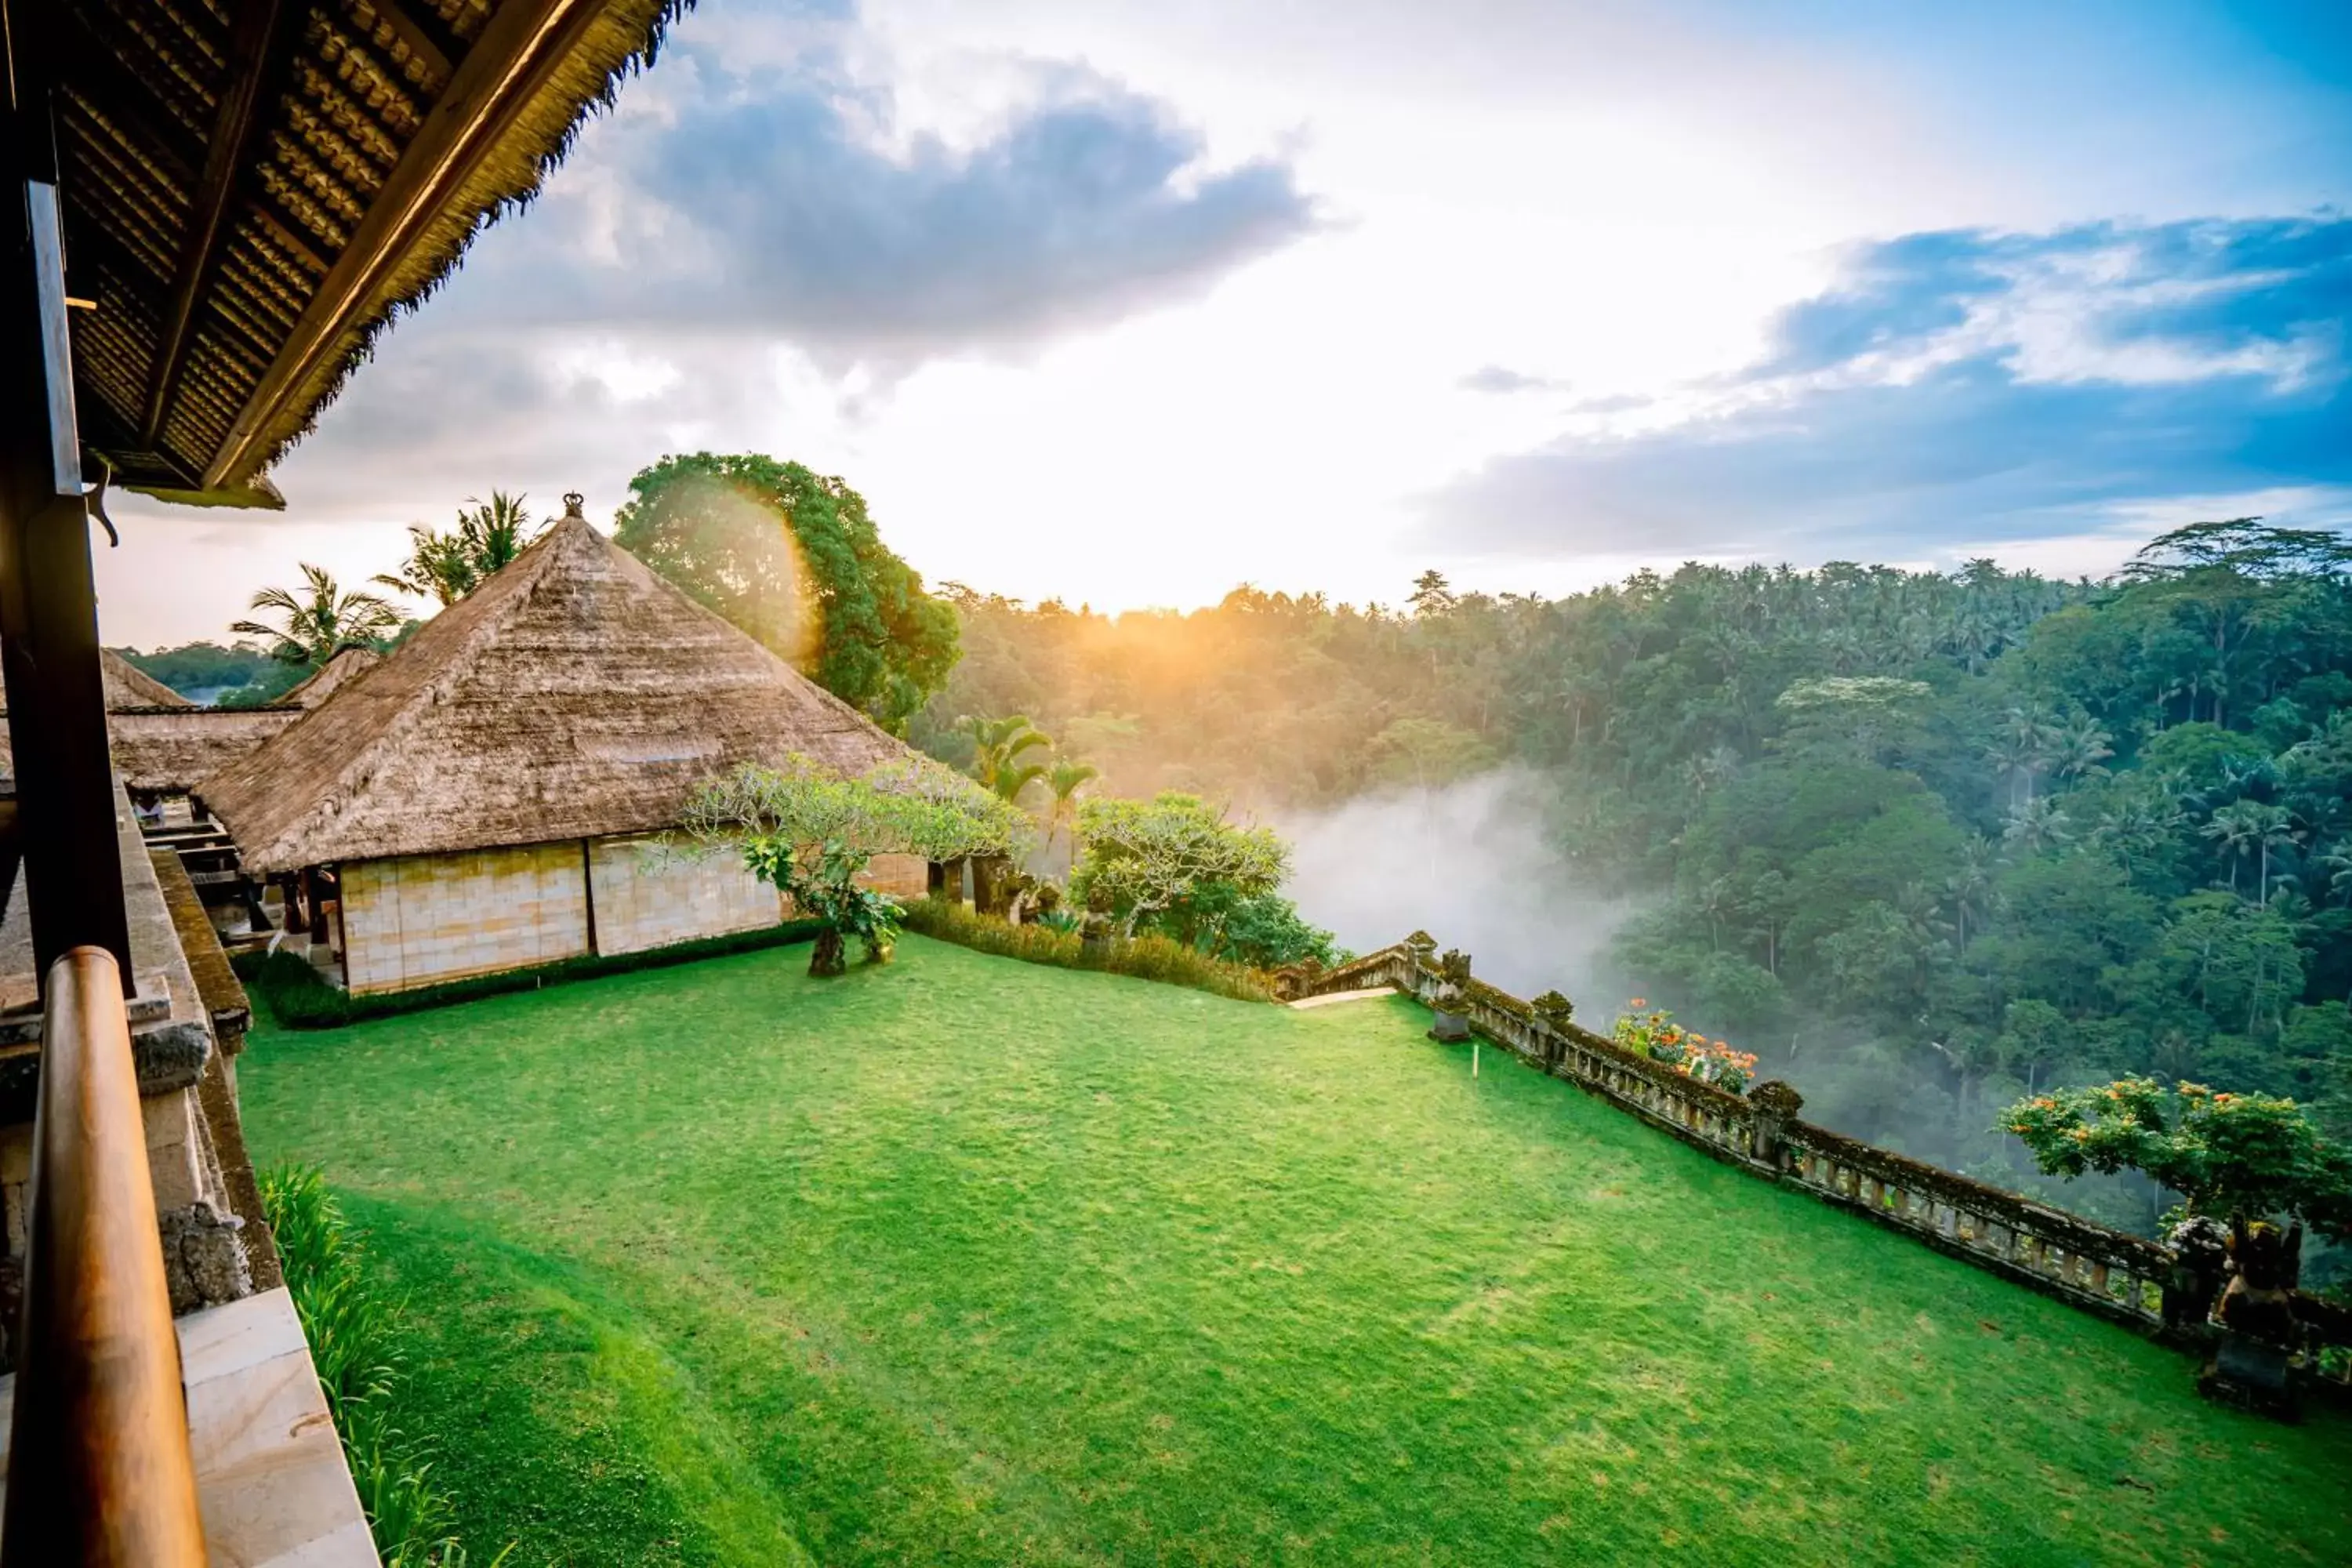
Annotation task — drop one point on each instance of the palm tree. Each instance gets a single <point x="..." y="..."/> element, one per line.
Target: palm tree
<point x="2038" y="825"/>
<point x="2237" y="829"/>
<point x="446" y="567"/>
<point x="322" y="623"/>
<point x="2338" y="861"/>
<point x="2079" y="749"/>
<point x="2273" y="827"/>
<point x="1970" y="887"/>
<point x="997" y="745"/>
<point x="1064" y="780"/>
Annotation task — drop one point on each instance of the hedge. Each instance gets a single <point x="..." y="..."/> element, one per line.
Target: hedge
<point x="296" y="996"/>
<point x="1143" y="958"/>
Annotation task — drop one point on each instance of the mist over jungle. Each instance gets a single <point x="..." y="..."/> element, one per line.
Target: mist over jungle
<point x="1924" y="841"/>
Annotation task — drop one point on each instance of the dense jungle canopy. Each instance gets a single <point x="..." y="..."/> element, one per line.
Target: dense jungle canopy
<point x="1926" y="841"/>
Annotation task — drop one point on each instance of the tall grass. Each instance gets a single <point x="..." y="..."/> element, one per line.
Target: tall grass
<point x="353" y="1329"/>
<point x="1143" y="958"/>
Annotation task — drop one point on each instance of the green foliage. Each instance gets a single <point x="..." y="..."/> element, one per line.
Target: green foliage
<point x="353" y="1331"/>
<point x="811" y="834"/>
<point x="207" y="666"/>
<point x="1264" y="931"/>
<point x="2250" y="1155"/>
<point x="792" y="558"/>
<point x="446" y="567"/>
<point x="1655" y="1034"/>
<point x="981" y="1263"/>
<point x="997" y="748"/>
<point x="294" y="995"/>
<point x="1147" y="957"/>
<point x="319" y="620"/>
<point x="1151" y="856"/>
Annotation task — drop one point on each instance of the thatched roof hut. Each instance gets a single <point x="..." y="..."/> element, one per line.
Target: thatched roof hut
<point x="253" y="192"/>
<point x="329" y="678"/>
<point x="164" y="743"/>
<point x="576" y="695"/>
<point x="129" y="688"/>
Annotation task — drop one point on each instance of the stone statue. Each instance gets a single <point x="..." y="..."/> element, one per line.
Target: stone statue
<point x="2254" y="1357"/>
<point x="1776" y="1105"/>
<point x="1096" y="927"/>
<point x="2264" y="1264"/>
<point x="2201" y="1262"/>
<point x="1553" y="1011"/>
<point x="1451" y="1027"/>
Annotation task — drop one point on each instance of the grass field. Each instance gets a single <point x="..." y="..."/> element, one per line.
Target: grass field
<point x="968" y="1261"/>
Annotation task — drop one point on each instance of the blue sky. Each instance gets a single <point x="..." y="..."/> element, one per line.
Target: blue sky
<point x="1130" y="303"/>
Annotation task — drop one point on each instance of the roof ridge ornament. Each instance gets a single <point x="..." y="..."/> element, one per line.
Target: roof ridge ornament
<point x="572" y="502"/>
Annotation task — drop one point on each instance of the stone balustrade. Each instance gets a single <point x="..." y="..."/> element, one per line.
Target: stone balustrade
<point x="2116" y="1275"/>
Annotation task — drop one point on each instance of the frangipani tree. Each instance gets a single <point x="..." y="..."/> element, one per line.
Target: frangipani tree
<point x="1148" y="854"/>
<point x="811" y="834"/>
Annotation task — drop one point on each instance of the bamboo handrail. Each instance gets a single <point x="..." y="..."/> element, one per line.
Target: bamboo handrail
<point x="100" y="1472"/>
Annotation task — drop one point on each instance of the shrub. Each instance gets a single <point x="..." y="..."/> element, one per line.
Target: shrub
<point x="1142" y="958"/>
<point x="297" y="996"/>
<point x="1656" y="1036"/>
<point x="354" y="1333"/>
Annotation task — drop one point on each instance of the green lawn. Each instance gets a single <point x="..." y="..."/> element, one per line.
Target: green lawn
<point x="968" y="1261"/>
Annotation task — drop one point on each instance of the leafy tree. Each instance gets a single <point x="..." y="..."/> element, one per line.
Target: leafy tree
<point x="2244" y="1156"/>
<point x="201" y="666"/>
<point x="792" y="558"/>
<point x="810" y="835"/>
<point x="446" y="567"/>
<point x="1429" y="751"/>
<point x="1147" y="856"/>
<point x="319" y="620"/>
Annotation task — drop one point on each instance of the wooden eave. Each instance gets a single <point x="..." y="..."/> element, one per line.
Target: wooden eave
<point x="253" y="190"/>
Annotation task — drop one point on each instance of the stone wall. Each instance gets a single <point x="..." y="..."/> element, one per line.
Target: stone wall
<point x="900" y="876"/>
<point x="646" y="897"/>
<point x="2116" y="1275"/>
<point x="420" y="919"/>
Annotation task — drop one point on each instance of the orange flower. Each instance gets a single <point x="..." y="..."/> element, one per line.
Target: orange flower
<point x="1637" y="1002"/>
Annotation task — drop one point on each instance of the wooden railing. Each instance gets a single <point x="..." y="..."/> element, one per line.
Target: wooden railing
<point x="100" y="1472"/>
<point x="2113" y="1273"/>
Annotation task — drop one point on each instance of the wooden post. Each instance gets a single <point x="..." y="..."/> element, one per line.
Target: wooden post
<point x="48" y="608"/>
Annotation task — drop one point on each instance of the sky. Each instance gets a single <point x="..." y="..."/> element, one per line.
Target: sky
<point x="1128" y="304"/>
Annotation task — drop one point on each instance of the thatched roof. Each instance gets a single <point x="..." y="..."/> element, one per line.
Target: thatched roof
<point x="575" y="694"/>
<point x="172" y="751"/>
<point x="129" y="686"/>
<point x="252" y="191"/>
<point x="329" y="678"/>
<point x="164" y="743"/>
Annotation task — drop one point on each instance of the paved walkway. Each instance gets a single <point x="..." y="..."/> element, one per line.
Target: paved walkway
<point x="270" y="1469"/>
<point x="1337" y="996"/>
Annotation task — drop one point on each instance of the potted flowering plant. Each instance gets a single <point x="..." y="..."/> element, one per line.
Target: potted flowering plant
<point x="1656" y="1036"/>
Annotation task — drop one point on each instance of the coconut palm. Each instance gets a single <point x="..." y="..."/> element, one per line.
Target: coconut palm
<point x="2078" y="750"/>
<point x="997" y="746"/>
<point x="2037" y="825"/>
<point x="1064" y="781"/>
<point x="2237" y="830"/>
<point x="2274" y="828"/>
<point x="446" y="567"/>
<point x="320" y="620"/>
